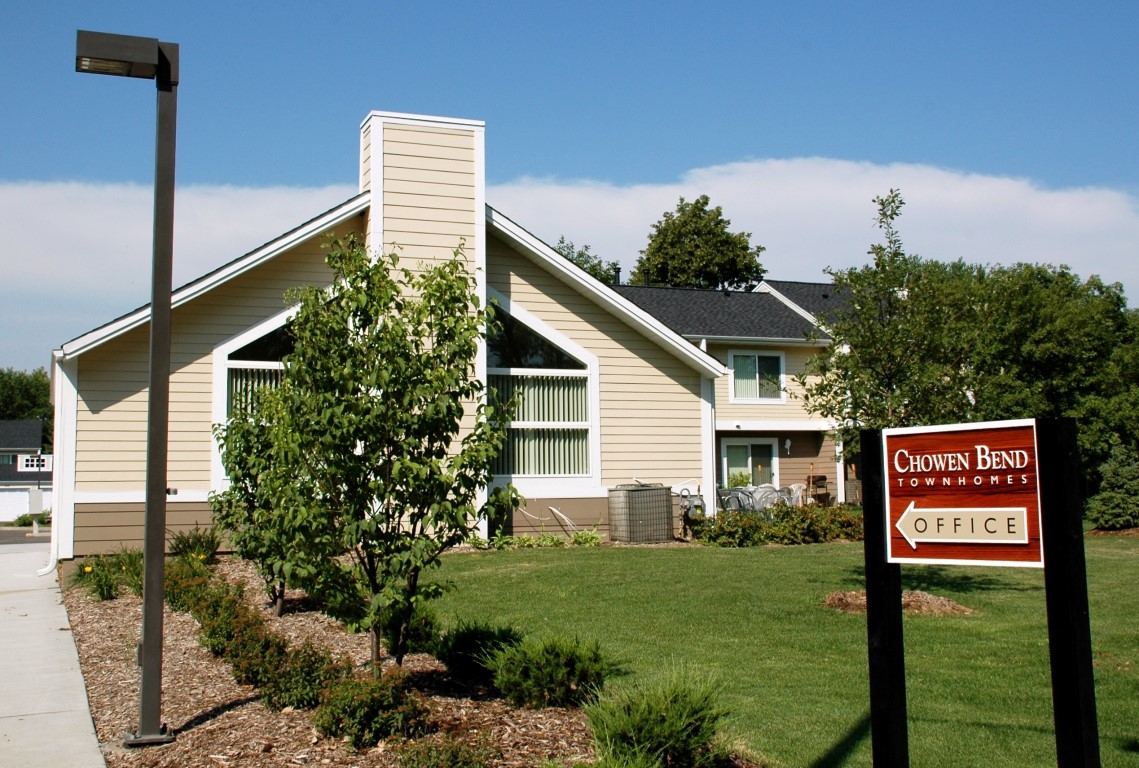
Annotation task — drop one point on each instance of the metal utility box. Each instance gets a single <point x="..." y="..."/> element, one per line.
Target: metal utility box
<point x="640" y="513"/>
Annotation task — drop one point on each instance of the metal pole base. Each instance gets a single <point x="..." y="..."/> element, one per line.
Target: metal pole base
<point x="164" y="736"/>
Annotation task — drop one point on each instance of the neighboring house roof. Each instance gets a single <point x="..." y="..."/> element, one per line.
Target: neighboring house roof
<point x="818" y="300"/>
<point x="21" y="436"/>
<point x="729" y="315"/>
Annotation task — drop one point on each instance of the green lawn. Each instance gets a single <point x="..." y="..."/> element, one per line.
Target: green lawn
<point x="794" y="672"/>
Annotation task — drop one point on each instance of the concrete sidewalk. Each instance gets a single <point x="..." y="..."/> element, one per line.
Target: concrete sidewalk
<point x="45" y="721"/>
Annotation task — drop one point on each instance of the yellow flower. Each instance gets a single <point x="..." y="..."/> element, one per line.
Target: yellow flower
<point x="87" y="569"/>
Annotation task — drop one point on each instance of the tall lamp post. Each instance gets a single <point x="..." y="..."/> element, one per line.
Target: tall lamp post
<point x="147" y="57"/>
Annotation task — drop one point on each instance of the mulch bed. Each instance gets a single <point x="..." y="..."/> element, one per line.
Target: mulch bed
<point x="220" y="723"/>
<point x="914" y="603"/>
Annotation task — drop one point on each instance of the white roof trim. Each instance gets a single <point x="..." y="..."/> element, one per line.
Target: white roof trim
<point x="208" y="282"/>
<point x="408" y="118"/>
<point x="595" y="290"/>
<point x="798" y="342"/>
<point x="765" y="287"/>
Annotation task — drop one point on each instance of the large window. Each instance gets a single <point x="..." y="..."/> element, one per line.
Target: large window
<point x="549" y="435"/>
<point x="756" y="376"/>
<point x="755" y="457"/>
<point x="255" y="366"/>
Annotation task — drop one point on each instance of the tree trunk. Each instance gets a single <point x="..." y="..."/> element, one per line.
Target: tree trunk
<point x="279" y="601"/>
<point x="374" y="633"/>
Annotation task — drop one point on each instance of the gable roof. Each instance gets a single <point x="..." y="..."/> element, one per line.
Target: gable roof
<point x="644" y="321"/>
<point x="637" y="316"/>
<point x="725" y="315"/>
<point x="21" y="436"/>
<point x="207" y="282"/>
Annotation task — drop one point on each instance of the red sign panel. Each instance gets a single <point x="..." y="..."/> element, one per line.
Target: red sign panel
<point x="963" y="494"/>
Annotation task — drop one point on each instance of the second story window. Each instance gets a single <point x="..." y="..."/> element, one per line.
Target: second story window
<point x="756" y="376"/>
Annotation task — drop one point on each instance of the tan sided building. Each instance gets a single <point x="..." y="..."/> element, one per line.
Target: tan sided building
<point x="641" y="396"/>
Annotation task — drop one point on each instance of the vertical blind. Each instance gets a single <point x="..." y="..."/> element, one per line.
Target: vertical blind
<point x="550" y="431"/>
<point x="245" y="382"/>
<point x="756" y="376"/>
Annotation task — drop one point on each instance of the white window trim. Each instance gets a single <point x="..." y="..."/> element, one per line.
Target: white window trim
<point x="558" y="486"/>
<point x="749" y="441"/>
<point x="756" y="353"/>
<point x="220" y="382"/>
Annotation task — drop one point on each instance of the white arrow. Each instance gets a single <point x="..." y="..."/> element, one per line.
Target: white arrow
<point x="970" y="525"/>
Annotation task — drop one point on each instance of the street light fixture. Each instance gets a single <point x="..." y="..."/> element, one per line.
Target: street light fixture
<point x="147" y="57"/>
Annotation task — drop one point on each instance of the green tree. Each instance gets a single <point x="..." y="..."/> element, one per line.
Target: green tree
<point x="605" y="271"/>
<point x="27" y="395"/>
<point x="379" y="440"/>
<point x="1115" y="506"/>
<point x="901" y="342"/>
<point x="924" y="342"/>
<point x="693" y="248"/>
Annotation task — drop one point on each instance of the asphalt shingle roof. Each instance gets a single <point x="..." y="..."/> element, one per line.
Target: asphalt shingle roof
<point x="20" y="436"/>
<point x="819" y="299"/>
<point x="720" y="314"/>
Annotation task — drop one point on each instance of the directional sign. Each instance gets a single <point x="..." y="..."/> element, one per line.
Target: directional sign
<point x="970" y="525"/>
<point x="963" y="494"/>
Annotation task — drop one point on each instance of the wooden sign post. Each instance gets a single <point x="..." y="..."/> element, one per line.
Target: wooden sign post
<point x="993" y="493"/>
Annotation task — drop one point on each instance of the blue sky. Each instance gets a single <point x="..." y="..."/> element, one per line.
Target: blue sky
<point x="1010" y="131"/>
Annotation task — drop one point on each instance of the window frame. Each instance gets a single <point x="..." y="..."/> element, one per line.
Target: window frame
<point x="556" y="485"/>
<point x="753" y="353"/>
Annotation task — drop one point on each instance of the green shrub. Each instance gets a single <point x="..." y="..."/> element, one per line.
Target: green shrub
<point x="100" y="576"/>
<point x="219" y="611"/>
<point x="300" y="679"/>
<point x="255" y="653"/>
<point x="586" y="538"/>
<point x="197" y="544"/>
<point x="549" y="673"/>
<point x="739" y="479"/>
<point x="1116" y="506"/>
<point x="423" y="632"/>
<point x="668" y="722"/>
<point x="25" y="520"/>
<point x="466" y="650"/>
<point x="502" y="541"/>
<point x="367" y="710"/>
<point x="782" y="524"/>
<point x="186" y="581"/>
<point x="445" y="751"/>
<point x="550" y="540"/>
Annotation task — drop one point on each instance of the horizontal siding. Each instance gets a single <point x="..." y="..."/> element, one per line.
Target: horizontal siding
<point x="650" y="401"/>
<point x="794" y="359"/>
<point x="102" y="528"/>
<point x="430" y="189"/>
<point x="113" y="378"/>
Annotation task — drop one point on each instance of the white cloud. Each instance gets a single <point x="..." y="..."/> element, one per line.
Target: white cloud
<point x="813" y="213"/>
<point x="77" y="255"/>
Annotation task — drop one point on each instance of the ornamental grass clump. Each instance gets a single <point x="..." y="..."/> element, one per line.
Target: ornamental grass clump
<point x="103" y="575"/>
<point x="467" y="648"/>
<point x="196" y="544"/>
<point x="100" y="576"/>
<point x="671" y="722"/>
<point x="555" y="672"/>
